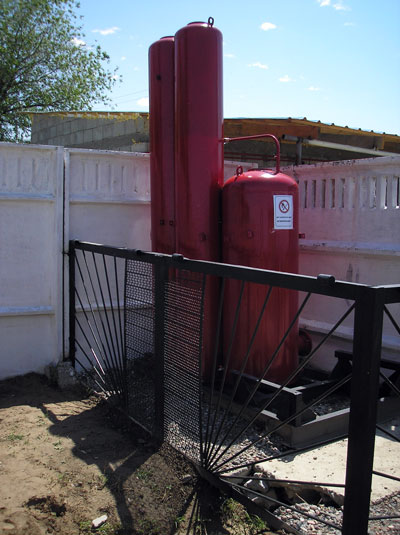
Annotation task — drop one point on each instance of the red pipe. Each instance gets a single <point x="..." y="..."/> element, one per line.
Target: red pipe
<point x="257" y="136"/>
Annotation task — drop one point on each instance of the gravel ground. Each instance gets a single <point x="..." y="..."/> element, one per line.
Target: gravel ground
<point x="321" y="507"/>
<point x="389" y="506"/>
<point x="185" y="438"/>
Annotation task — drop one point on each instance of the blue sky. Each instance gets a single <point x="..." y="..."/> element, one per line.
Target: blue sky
<point x="337" y="61"/>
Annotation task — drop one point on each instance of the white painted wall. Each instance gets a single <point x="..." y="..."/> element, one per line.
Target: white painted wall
<point x="48" y="195"/>
<point x="350" y="214"/>
<point x="31" y="206"/>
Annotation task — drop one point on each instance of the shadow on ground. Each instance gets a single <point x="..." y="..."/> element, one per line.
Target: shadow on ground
<point x="151" y="485"/>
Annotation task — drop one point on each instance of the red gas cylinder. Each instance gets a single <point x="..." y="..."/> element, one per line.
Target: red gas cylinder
<point x="198" y="147"/>
<point x="162" y="154"/>
<point x="260" y="229"/>
<point x="199" y="159"/>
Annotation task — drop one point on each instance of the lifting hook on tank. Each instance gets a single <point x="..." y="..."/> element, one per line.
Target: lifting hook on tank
<point x="257" y="136"/>
<point x="239" y="171"/>
<point x="210" y="21"/>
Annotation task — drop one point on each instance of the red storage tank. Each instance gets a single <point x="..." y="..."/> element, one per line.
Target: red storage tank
<point x="162" y="150"/>
<point x="198" y="142"/>
<point x="260" y="229"/>
<point x="199" y="160"/>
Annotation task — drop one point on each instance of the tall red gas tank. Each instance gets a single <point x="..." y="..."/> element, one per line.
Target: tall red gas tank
<point x="162" y="147"/>
<point x="198" y="139"/>
<point x="260" y="229"/>
<point x="199" y="159"/>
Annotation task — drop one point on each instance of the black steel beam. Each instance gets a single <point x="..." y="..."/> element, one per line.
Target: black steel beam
<point x="363" y="410"/>
<point x="322" y="285"/>
<point x="71" y="269"/>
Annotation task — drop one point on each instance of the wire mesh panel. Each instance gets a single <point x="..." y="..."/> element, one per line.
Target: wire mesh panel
<point x="182" y="367"/>
<point x="139" y="339"/>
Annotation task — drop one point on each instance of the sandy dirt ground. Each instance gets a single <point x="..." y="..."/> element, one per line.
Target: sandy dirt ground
<point x="67" y="459"/>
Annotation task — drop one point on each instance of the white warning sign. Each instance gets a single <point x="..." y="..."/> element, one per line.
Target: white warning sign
<point x="283" y="211"/>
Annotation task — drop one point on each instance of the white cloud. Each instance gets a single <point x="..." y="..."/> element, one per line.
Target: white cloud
<point x="143" y="102"/>
<point x="229" y="56"/>
<point x="77" y="42"/>
<point x="313" y="88"/>
<point x="267" y="26"/>
<point x="123" y="58"/>
<point x="286" y="79"/>
<point x="107" y="31"/>
<point x="349" y="24"/>
<point x="339" y="6"/>
<point x="258" y="65"/>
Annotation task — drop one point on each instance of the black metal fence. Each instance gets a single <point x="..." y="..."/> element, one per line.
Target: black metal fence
<point x="148" y="331"/>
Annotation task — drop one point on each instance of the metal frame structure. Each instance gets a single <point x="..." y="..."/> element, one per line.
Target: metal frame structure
<point x="137" y="315"/>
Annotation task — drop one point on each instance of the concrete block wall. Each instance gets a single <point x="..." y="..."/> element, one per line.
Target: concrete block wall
<point x="100" y="131"/>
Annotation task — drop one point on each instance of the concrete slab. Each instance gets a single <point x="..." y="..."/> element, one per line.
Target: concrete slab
<point x="328" y="465"/>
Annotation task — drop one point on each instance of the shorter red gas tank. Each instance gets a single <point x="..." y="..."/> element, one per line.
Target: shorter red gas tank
<point x="260" y="229"/>
<point x="162" y="148"/>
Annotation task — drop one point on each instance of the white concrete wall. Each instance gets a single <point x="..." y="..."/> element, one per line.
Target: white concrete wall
<point x="31" y="207"/>
<point x="48" y="195"/>
<point x="350" y="214"/>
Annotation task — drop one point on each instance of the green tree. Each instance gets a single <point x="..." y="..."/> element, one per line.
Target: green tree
<point x="45" y="64"/>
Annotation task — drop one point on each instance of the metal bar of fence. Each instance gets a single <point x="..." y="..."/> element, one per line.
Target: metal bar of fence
<point x="251" y="464"/>
<point x="388" y="433"/>
<point x="387" y="476"/>
<point x="363" y="410"/>
<point x="113" y="352"/>
<point x="71" y="269"/>
<point x="160" y="279"/>
<point x="291" y="481"/>
<point x="95" y="338"/>
<point x="89" y="360"/>
<point x="273" y="521"/>
<point x="121" y="321"/>
<point x="392" y="386"/>
<point x="391" y="293"/>
<point x="392" y="320"/>
<point x="322" y="285"/>
<point x="383" y="517"/>
<point x="118" y="342"/>
<point x="102" y="388"/>
<point x="292" y="508"/>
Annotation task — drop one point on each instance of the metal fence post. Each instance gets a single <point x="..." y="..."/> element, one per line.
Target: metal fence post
<point x="363" y="410"/>
<point x="71" y="269"/>
<point x="160" y="279"/>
